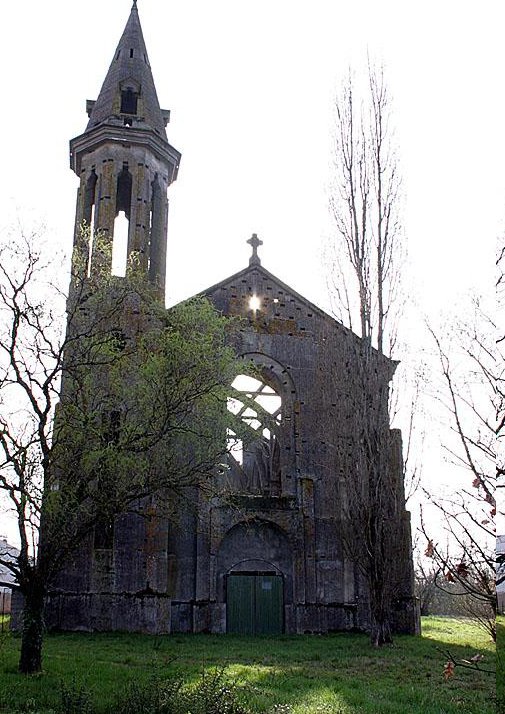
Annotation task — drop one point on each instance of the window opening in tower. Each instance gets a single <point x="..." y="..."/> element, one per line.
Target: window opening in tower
<point x="91" y="238"/>
<point x="122" y="222"/>
<point x="129" y="101"/>
<point x="88" y="217"/>
<point x="120" y="245"/>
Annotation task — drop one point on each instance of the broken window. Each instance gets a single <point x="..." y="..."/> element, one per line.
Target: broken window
<point x="255" y="460"/>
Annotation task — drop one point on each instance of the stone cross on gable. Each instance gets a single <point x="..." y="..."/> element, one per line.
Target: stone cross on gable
<point x="255" y="243"/>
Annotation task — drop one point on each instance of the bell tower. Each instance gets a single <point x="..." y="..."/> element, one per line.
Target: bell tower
<point x="125" y="165"/>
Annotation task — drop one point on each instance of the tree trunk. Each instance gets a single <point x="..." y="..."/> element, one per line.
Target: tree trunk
<point x="381" y="632"/>
<point x="30" y="661"/>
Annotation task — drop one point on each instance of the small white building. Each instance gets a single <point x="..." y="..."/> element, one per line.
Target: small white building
<point x="7" y="552"/>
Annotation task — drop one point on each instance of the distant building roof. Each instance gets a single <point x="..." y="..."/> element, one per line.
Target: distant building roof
<point x="8" y="552"/>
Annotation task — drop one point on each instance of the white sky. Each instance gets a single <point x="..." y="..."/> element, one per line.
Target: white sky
<point x="250" y="86"/>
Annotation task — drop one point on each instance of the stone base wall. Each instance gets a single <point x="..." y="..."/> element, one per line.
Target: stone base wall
<point x="407" y="616"/>
<point x="322" y="619"/>
<point x="298" y="619"/>
<point x="96" y="612"/>
<point x="157" y="615"/>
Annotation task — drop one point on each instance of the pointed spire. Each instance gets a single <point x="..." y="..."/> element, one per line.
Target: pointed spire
<point x="129" y="70"/>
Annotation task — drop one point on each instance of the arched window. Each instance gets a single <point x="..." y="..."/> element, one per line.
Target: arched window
<point x="129" y="100"/>
<point x="255" y="460"/>
<point x="154" y="266"/>
<point x="122" y="222"/>
<point x="124" y="191"/>
<point x="88" y="214"/>
<point x="89" y="198"/>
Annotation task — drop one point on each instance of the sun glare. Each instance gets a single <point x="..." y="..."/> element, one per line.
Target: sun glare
<point x="254" y="303"/>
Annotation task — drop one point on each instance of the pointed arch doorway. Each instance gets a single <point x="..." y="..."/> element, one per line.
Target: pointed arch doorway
<point x="254" y="577"/>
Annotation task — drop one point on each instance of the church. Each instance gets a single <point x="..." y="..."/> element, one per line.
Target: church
<point x="275" y="561"/>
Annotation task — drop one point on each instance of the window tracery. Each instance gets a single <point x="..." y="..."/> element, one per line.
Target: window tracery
<point x="255" y="460"/>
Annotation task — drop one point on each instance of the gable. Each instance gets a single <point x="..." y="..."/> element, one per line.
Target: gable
<point x="279" y="309"/>
<point x="282" y="311"/>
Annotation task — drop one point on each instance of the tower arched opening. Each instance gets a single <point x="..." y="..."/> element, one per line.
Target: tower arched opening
<point x="88" y="215"/>
<point x="122" y="222"/>
<point x="129" y="101"/>
<point x="155" y="257"/>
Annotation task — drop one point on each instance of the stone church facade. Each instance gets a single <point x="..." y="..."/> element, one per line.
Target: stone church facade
<point x="269" y="559"/>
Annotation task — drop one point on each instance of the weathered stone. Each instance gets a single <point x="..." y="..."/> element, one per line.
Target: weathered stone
<point x="284" y="515"/>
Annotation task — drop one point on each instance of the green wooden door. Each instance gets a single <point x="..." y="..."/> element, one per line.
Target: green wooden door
<point x="240" y="604"/>
<point x="255" y="604"/>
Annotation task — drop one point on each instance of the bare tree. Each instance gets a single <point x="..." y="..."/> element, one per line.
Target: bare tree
<point x="425" y="586"/>
<point x="115" y="402"/>
<point x="469" y="394"/>
<point x="500" y="385"/>
<point x="367" y="258"/>
<point x="365" y="204"/>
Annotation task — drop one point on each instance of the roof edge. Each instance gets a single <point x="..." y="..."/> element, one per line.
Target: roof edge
<point x="260" y="268"/>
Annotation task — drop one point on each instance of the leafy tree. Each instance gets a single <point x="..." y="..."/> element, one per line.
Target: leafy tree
<point x="116" y="402"/>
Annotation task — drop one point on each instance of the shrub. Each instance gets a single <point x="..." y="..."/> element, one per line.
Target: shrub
<point x="74" y="699"/>
<point x="154" y="697"/>
<point x="210" y="695"/>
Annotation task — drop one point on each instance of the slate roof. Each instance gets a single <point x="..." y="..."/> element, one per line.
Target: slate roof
<point x="8" y="552"/>
<point x="130" y="61"/>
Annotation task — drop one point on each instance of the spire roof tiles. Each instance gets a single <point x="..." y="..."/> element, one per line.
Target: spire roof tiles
<point x="130" y="62"/>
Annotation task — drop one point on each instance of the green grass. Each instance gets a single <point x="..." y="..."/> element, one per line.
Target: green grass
<point x="500" y="664"/>
<point x="334" y="674"/>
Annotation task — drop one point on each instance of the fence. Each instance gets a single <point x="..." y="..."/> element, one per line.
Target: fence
<point x="5" y="608"/>
<point x="501" y="601"/>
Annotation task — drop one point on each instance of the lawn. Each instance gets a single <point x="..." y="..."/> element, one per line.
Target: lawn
<point x="500" y="664"/>
<point x="333" y="674"/>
